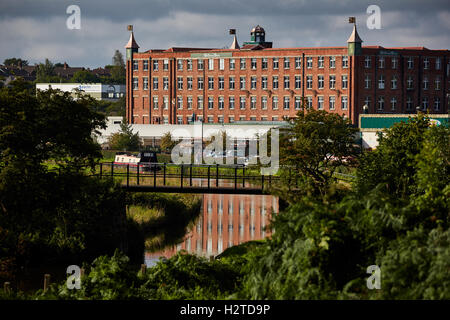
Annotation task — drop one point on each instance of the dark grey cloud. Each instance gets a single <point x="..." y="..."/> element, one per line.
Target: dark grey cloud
<point x="36" y="30"/>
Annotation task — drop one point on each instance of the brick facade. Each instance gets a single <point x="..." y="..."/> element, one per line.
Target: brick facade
<point x="336" y="82"/>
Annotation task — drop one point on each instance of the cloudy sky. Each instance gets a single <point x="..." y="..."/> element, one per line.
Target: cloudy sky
<point x="36" y="29"/>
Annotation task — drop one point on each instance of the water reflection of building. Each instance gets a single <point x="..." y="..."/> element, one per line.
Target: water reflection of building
<point x="227" y="220"/>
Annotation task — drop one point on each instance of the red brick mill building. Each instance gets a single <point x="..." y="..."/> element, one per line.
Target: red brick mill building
<point x="256" y="82"/>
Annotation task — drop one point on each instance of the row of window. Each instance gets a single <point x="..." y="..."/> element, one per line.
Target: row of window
<point x="231" y="102"/>
<point x="243" y="82"/>
<point x="426" y="62"/>
<point x="425" y="104"/>
<point x="276" y="63"/>
<point x="409" y="82"/>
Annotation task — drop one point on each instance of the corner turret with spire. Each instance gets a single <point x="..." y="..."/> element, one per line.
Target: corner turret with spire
<point x="354" y="41"/>
<point x="132" y="46"/>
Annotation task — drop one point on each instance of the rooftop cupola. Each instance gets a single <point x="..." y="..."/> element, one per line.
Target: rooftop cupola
<point x="258" y="37"/>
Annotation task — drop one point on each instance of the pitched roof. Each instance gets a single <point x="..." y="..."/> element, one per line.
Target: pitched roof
<point x="354" y="37"/>
<point x="235" y="44"/>
<point x="131" y="43"/>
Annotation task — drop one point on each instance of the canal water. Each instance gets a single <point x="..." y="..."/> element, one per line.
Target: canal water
<point x="226" y="220"/>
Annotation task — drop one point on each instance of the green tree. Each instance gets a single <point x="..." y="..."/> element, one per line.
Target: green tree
<point x="84" y="76"/>
<point x="313" y="147"/>
<point x="118" y="72"/>
<point x="125" y="139"/>
<point x="45" y="71"/>
<point x="167" y="142"/>
<point x="15" y="62"/>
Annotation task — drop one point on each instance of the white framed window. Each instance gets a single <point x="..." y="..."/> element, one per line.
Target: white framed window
<point x="275" y="63"/>
<point x="437" y="83"/>
<point x="381" y="82"/>
<point x="393" y="103"/>
<point x="231" y="82"/>
<point x="275" y="103"/>
<point x="332" y="62"/>
<point x="180" y="102"/>
<point x="253" y="63"/>
<point x="344" y="102"/>
<point x="309" y="101"/>
<point x="381" y="62"/>
<point x="210" y="64"/>
<point x="344" y="61"/>
<point x="253" y="83"/>
<point x="242" y="103"/>
<point x="189" y="103"/>
<point x="179" y="119"/>
<point x="409" y="103"/>
<point x="155" y="83"/>
<point x="180" y="83"/>
<point x="200" y="83"/>
<point x="242" y="63"/>
<point x="394" y="62"/>
<point x="231" y="103"/>
<point x="367" y="101"/>
<point x="199" y="102"/>
<point x="221" y="83"/>
<point x="394" y="82"/>
<point x="145" y="84"/>
<point x="200" y="64"/>
<point x="155" y="102"/>
<point x="166" y="64"/>
<point x="298" y="103"/>
<point x="367" y="62"/>
<point x="165" y="83"/>
<point x="145" y="65"/>
<point x="179" y="65"/>
<point x="320" y="62"/>
<point x="425" y="103"/>
<point x="286" y="82"/>
<point x="286" y="63"/>
<point x="242" y="83"/>
<point x="298" y="62"/>
<point x="155" y="65"/>
<point x="165" y="102"/>
<point x="309" y="62"/>
<point x="410" y="62"/>
<point x="232" y="64"/>
<point x="230" y="120"/>
<point x="264" y="82"/>
<point x="135" y="65"/>
<point x="426" y="63"/>
<point x="221" y="103"/>
<point x="264" y="63"/>
<point x="425" y="83"/>
<point x="332" y="102"/>
<point x="298" y="82"/>
<point x="437" y="104"/>
<point x="438" y="63"/>
<point x="320" y="82"/>
<point x="253" y="102"/>
<point x="189" y="64"/>
<point x="190" y="81"/>
<point x="264" y="103"/>
<point x="135" y="83"/>
<point x="367" y="82"/>
<point x="332" y="82"/>
<point x="221" y="64"/>
<point x="344" y="82"/>
<point x="381" y="103"/>
<point x="410" y="82"/>
<point x="210" y="83"/>
<point x="286" y="103"/>
<point x="275" y="82"/>
<point x="210" y="103"/>
<point x="309" y="82"/>
<point x="320" y="102"/>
